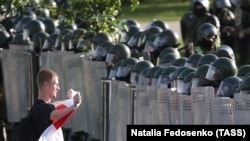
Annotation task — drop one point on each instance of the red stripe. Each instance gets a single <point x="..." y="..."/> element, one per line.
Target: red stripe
<point x="61" y="121"/>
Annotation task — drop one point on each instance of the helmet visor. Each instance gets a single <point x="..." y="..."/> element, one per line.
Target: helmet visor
<point x="25" y="34"/>
<point x="225" y="90"/>
<point x="109" y="58"/>
<point x="185" y="88"/>
<point x="133" y="78"/>
<point x="160" y="41"/>
<point x="164" y="79"/>
<point x="147" y="81"/>
<point x="141" y="40"/>
<point x="99" y="52"/>
<point x="46" y="45"/>
<point x="165" y="65"/>
<point x="155" y="81"/>
<point x="132" y="41"/>
<point x="112" y="74"/>
<point x="124" y="37"/>
<point x="148" y="46"/>
<point x="188" y="64"/>
<point x="179" y="83"/>
<point x="141" y="79"/>
<point x="195" y="82"/>
<point x="174" y="85"/>
<point x="212" y="73"/>
<point x="123" y="71"/>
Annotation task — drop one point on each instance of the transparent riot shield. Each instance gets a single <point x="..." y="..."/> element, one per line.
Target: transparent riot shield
<point x="113" y="111"/>
<point x="163" y="105"/>
<point x="201" y="104"/>
<point x="92" y="72"/>
<point x="142" y="105"/>
<point x="186" y="114"/>
<point x="14" y="82"/>
<point x="124" y="111"/>
<point x="242" y="108"/>
<point x="105" y="110"/>
<point x="31" y="70"/>
<point x="222" y="109"/>
<point x="73" y="79"/>
<point x="132" y="103"/>
<point x="153" y="105"/>
<point x="174" y="108"/>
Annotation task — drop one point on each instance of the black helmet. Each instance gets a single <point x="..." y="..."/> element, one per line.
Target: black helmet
<point x="245" y="86"/>
<point x="117" y="52"/>
<point x="207" y="59"/>
<point x="204" y="3"/>
<point x="227" y="18"/>
<point x="142" y="76"/>
<point x="199" y="79"/>
<point x="113" y="70"/>
<point x="156" y="76"/>
<point x="186" y="84"/>
<point x="133" y="40"/>
<point x="32" y="27"/>
<point x="125" y="67"/>
<point x="164" y="78"/>
<point x="19" y="40"/>
<point x="125" y="23"/>
<point x="150" y="74"/>
<point x="101" y="37"/>
<point x="65" y="39"/>
<point x="149" y="43"/>
<point x="38" y="40"/>
<point x="180" y="61"/>
<point x="157" y="22"/>
<point x="77" y="35"/>
<point x="167" y="38"/>
<point x="207" y="30"/>
<point x="229" y="86"/>
<point x="221" y="68"/>
<point x="243" y="70"/>
<point x="169" y="50"/>
<point x="174" y="75"/>
<point x="184" y="73"/>
<point x="181" y="77"/>
<point x="101" y="51"/>
<point x="50" y="42"/>
<point x="225" y="51"/>
<point x="167" y="59"/>
<point x="85" y="44"/>
<point x="146" y="34"/>
<point x="137" y="68"/>
<point x="50" y="25"/>
<point x="126" y="34"/>
<point x="194" y="59"/>
<point x="22" y="23"/>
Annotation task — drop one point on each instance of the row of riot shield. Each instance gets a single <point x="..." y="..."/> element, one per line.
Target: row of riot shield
<point x="152" y="105"/>
<point x="108" y="106"/>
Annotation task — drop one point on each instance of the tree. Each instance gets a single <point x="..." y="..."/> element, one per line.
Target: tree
<point x="99" y="15"/>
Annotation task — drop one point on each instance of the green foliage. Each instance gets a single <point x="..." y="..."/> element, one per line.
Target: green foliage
<point x="101" y="15"/>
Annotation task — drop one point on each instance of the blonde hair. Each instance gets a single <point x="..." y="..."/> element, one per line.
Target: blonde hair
<point x="45" y="75"/>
